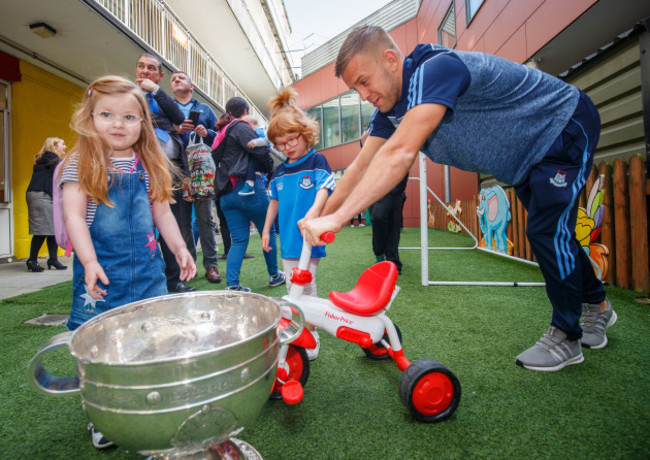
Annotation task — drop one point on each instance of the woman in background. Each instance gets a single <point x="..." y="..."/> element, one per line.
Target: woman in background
<point x="39" y="204"/>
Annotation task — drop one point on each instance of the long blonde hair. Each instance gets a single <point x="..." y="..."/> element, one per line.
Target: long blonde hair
<point x="93" y="153"/>
<point x="48" y="146"/>
<point x="287" y="117"/>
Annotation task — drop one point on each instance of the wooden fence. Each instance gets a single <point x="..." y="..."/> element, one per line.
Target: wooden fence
<point x="624" y="229"/>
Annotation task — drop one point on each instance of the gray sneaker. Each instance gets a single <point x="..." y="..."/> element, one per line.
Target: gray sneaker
<point x="551" y="353"/>
<point x="595" y="323"/>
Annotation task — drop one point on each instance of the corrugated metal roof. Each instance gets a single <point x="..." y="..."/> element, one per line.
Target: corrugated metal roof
<point x="389" y="17"/>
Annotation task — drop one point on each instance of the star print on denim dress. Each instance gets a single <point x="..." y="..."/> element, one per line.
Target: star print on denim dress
<point x="122" y="236"/>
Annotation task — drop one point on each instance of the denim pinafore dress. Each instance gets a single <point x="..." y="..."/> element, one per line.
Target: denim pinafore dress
<point x="126" y="247"/>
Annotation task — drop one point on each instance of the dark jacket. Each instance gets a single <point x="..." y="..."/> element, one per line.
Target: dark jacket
<point x="207" y="118"/>
<point x="42" y="174"/>
<point x="234" y="154"/>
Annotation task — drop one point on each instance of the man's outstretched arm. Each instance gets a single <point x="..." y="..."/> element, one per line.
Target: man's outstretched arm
<point x="385" y="169"/>
<point x="353" y="174"/>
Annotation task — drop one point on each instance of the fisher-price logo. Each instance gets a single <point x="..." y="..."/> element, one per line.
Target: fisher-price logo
<point x="337" y="318"/>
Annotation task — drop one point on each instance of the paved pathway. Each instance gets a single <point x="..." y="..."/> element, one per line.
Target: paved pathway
<point x="16" y="280"/>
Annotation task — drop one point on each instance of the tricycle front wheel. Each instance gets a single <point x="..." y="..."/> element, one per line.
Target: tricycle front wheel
<point x="296" y="368"/>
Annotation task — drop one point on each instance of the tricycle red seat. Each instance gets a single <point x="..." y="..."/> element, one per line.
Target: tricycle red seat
<point x="371" y="293"/>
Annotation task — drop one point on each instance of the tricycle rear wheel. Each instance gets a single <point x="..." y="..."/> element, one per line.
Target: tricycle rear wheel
<point x="377" y="351"/>
<point x="430" y="390"/>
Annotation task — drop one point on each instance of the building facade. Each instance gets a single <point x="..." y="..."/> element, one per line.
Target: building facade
<point x="51" y="50"/>
<point x="598" y="45"/>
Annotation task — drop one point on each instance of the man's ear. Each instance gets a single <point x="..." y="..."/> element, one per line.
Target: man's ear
<point x="391" y="59"/>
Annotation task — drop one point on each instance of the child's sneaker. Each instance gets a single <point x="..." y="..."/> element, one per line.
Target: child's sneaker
<point x="99" y="441"/>
<point x="277" y="280"/>
<point x="312" y="353"/>
<point x="595" y="323"/>
<point x="238" y="288"/>
<point x="246" y="190"/>
<point x="551" y="353"/>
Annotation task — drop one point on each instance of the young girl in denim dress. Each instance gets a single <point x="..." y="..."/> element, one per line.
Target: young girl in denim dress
<point x="116" y="190"/>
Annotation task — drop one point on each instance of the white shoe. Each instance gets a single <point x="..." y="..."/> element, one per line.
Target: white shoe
<point x="312" y="353"/>
<point x="99" y="441"/>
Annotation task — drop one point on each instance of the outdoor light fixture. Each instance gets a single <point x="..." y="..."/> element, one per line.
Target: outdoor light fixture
<point x="42" y="30"/>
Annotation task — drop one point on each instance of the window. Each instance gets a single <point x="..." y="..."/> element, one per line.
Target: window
<point x="315" y="112"/>
<point x="447" y="29"/>
<point x="367" y="111"/>
<point x="342" y="119"/>
<point x="471" y="7"/>
<point x="350" y="116"/>
<point x="331" y="124"/>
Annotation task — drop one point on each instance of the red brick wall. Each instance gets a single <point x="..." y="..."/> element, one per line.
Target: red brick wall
<point x="513" y="29"/>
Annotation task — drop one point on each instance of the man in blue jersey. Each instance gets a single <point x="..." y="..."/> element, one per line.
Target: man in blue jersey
<point x="482" y="113"/>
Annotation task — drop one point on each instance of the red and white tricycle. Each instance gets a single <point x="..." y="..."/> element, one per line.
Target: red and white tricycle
<point x="429" y="389"/>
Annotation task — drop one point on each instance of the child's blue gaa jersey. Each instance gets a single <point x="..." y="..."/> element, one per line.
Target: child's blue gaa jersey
<point x="294" y="186"/>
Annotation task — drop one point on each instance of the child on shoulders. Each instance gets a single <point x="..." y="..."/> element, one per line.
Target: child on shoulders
<point x="253" y="168"/>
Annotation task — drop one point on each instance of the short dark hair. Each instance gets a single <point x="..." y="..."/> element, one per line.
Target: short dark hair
<point x="184" y="73"/>
<point x="362" y="39"/>
<point x="236" y="106"/>
<point x="152" y="57"/>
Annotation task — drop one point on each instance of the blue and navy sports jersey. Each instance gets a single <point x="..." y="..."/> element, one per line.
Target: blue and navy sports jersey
<point x="295" y="185"/>
<point x="502" y="116"/>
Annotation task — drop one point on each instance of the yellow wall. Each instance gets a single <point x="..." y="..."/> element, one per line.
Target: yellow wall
<point x="42" y="105"/>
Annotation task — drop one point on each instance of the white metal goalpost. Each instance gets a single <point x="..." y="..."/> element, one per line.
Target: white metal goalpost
<point x="425" y="248"/>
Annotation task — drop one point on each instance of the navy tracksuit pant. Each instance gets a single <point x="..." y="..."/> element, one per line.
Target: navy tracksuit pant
<point x="550" y="194"/>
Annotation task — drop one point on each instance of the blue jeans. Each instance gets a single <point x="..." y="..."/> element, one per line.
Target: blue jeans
<point x="239" y="211"/>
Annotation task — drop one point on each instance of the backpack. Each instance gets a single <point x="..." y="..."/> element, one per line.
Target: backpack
<point x="202" y="170"/>
<point x="60" y="232"/>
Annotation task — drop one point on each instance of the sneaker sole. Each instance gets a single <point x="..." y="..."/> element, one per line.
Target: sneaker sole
<point x="604" y="343"/>
<point x="575" y="360"/>
<point x="246" y="194"/>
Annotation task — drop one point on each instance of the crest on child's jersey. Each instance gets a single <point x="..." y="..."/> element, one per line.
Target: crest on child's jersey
<point x="559" y="180"/>
<point x="306" y="182"/>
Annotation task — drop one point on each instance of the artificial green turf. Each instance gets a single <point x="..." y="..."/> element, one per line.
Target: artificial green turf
<point x="351" y="407"/>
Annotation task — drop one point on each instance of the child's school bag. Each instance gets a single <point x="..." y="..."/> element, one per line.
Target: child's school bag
<point x="60" y="232"/>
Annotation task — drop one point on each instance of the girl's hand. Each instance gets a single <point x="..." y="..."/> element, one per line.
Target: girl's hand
<point x="265" y="241"/>
<point x="186" y="263"/>
<point x="93" y="272"/>
<point x="251" y="144"/>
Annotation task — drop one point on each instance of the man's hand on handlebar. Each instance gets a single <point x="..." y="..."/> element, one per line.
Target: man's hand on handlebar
<point x="313" y="229"/>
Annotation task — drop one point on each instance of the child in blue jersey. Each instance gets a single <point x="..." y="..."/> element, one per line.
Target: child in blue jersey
<point x="299" y="187"/>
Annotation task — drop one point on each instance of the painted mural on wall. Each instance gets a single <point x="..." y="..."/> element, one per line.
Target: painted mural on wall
<point x="493" y="217"/>
<point x="588" y="227"/>
<point x="431" y="221"/>
<point x="454" y="211"/>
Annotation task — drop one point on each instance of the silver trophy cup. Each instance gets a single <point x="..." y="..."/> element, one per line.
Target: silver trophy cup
<point x="175" y="376"/>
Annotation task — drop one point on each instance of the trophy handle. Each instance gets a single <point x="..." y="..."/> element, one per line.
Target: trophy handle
<point x="43" y="381"/>
<point x="295" y="327"/>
